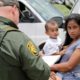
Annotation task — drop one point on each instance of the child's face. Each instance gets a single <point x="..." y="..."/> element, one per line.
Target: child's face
<point x="73" y="29"/>
<point x="52" y="30"/>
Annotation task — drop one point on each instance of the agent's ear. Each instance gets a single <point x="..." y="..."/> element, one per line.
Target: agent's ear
<point x="14" y="14"/>
<point x="13" y="10"/>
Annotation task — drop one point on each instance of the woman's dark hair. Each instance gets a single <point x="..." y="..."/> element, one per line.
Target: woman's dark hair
<point x="76" y="18"/>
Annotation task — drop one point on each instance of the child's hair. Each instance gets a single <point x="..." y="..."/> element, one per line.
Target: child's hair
<point x="76" y="18"/>
<point x="51" y="21"/>
<point x="58" y="20"/>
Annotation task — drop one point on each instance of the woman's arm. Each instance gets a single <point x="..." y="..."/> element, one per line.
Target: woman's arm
<point x="70" y="64"/>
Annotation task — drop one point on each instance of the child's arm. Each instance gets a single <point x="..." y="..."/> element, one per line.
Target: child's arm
<point x="62" y="52"/>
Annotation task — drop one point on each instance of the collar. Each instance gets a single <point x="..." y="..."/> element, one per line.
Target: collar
<point x="53" y="38"/>
<point x="8" y="22"/>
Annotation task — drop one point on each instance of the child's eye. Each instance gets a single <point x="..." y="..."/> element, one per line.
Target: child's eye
<point x="52" y="30"/>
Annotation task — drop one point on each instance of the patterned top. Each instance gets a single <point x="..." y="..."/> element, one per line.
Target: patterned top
<point x="75" y="73"/>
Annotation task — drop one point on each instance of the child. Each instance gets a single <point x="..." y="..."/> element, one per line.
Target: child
<point x="53" y="44"/>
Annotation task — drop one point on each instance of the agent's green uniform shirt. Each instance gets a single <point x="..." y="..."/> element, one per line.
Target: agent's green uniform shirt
<point x="19" y="58"/>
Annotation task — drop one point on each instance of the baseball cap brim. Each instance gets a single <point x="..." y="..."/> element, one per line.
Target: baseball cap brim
<point x="9" y="3"/>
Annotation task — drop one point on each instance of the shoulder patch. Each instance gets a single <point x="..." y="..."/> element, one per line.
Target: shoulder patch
<point x="31" y="47"/>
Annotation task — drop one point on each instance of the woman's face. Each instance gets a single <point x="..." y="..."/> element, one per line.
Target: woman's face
<point x="73" y="29"/>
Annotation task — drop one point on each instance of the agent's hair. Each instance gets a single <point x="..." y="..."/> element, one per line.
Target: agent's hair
<point x="76" y="18"/>
<point x="51" y="21"/>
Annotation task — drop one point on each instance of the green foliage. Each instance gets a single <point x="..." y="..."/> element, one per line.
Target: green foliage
<point x="62" y="8"/>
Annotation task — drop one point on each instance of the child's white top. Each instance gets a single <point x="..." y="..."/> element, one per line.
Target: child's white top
<point x="52" y="46"/>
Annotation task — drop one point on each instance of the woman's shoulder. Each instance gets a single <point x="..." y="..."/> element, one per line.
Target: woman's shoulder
<point x="78" y="41"/>
<point x="76" y="44"/>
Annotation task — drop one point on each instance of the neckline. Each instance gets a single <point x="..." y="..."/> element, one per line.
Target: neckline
<point x="8" y="22"/>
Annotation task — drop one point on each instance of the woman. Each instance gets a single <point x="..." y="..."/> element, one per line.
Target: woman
<point x="69" y="66"/>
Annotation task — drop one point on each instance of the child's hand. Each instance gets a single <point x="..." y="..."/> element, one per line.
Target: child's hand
<point x="41" y="53"/>
<point x="65" y="47"/>
<point x="62" y="52"/>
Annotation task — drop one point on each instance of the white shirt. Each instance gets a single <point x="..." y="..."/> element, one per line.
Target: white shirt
<point x="52" y="46"/>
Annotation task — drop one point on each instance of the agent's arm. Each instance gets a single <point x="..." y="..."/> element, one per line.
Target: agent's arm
<point x="32" y="64"/>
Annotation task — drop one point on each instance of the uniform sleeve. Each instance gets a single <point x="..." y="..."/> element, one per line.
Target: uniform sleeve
<point x="33" y="66"/>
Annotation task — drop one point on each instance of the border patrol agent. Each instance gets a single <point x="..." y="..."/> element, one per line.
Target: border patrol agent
<point x="19" y="58"/>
